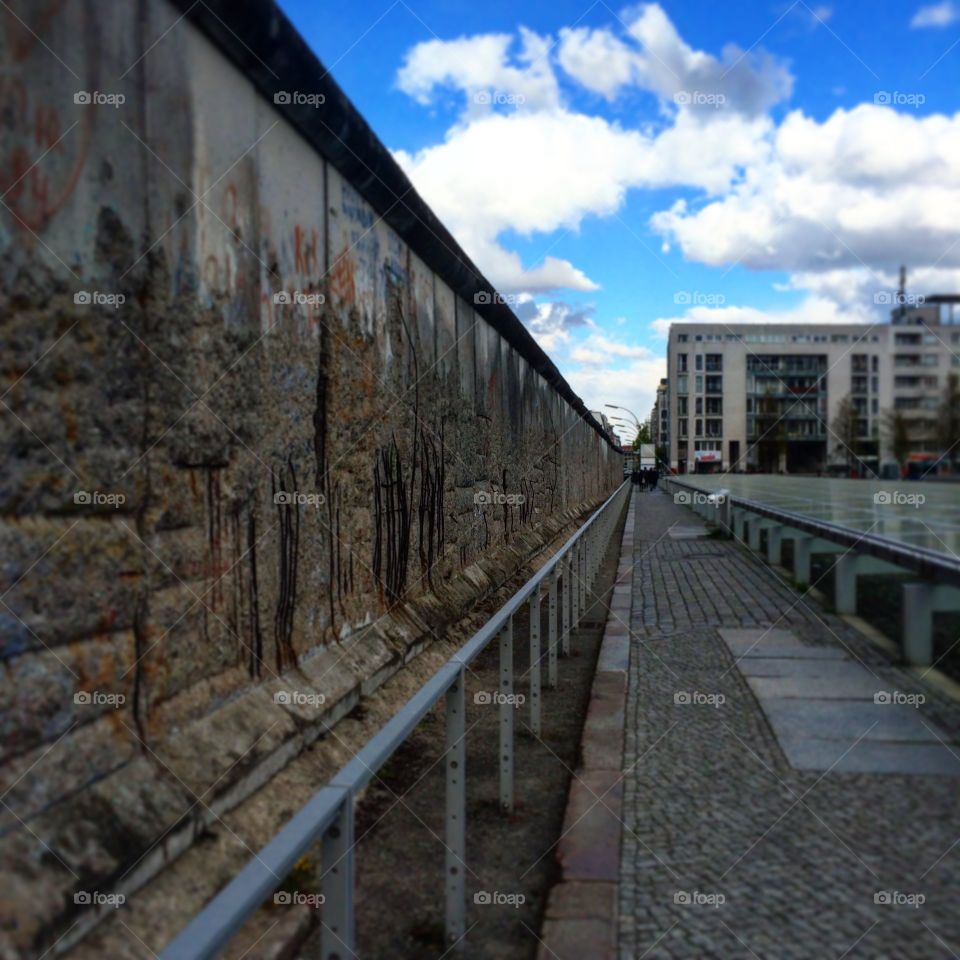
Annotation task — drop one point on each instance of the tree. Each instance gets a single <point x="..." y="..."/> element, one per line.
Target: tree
<point x="643" y="434"/>
<point x="896" y="435"/>
<point x="846" y="431"/>
<point x="948" y="423"/>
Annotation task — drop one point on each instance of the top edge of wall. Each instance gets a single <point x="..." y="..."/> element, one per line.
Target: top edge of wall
<point x="262" y="42"/>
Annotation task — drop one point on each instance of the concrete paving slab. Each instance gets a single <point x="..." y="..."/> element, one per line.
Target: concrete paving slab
<point x="760" y="642"/>
<point x="687" y="531"/>
<point x="850" y="686"/>
<point x="799" y="652"/>
<point x="870" y="756"/>
<point x="848" y="720"/>
<point x="799" y="667"/>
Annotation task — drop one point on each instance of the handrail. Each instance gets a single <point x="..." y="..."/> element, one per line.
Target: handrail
<point x="329" y="812"/>
<point x="929" y="564"/>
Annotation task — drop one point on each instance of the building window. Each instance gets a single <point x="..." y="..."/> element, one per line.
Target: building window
<point x="699" y="384"/>
<point x="699" y="406"/>
<point x="699" y="360"/>
<point x="682" y="384"/>
<point x="698" y="427"/>
<point x="681" y="363"/>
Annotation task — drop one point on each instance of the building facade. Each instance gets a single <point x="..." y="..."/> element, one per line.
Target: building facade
<point x="811" y="398"/>
<point x="660" y="418"/>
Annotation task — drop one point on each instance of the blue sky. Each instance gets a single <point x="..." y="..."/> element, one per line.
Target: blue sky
<point x="618" y="168"/>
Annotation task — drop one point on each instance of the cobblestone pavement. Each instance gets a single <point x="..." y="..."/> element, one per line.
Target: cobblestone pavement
<point x="729" y="852"/>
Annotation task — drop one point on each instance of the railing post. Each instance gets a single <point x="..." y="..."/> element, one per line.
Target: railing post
<point x="506" y="717"/>
<point x="456" y="924"/>
<point x="774" y="544"/>
<point x="535" y="661"/>
<point x="582" y="575"/>
<point x="801" y="558"/>
<point x="553" y="627"/>
<point x="337" y="939"/>
<point x="575" y="586"/>
<point x="565" y="607"/>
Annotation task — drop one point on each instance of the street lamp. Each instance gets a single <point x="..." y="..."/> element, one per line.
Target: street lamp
<point x="614" y="406"/>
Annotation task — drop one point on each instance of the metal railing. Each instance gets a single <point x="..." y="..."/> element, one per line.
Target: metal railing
<point x="935" y="581"/>
<point x="329" y="814"/>
<point x="923" y="561"/>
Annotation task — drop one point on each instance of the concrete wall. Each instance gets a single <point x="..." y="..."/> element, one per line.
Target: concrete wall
<point x="156" y="595"/>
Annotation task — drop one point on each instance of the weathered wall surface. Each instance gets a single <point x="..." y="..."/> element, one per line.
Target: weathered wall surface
<point x="157" y="592"/>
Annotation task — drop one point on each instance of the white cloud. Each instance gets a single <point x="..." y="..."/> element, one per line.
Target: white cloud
<point x="538" y="167"/>
<point x="835" y="195"/>
<point x="935" y="15"/>
<point x="655" y="58"/>
<point x="811" y="310"/>
<point x="633" y="385"/>
<point x="598" y="60"/>
<point x="552" y="322"/>
<point x="480" y="67"/>
<point x="546" y="171"/>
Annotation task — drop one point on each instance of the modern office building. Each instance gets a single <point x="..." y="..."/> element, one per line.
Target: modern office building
<point x="660" y="416"/>
<point x="813" y="397"/>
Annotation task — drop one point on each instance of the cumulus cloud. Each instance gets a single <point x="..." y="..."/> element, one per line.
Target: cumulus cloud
<point x="532" y="165"/>
<point x="551" y="322"/>
<point x="835" y="195"/>
<point x="481" y="68"/>
<point x="935" y="15"/>
<point x="538" y="172"/>
<point x="654" y="57"/>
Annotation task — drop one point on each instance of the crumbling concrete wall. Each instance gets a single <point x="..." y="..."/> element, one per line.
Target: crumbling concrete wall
<point x="248" y="413"/>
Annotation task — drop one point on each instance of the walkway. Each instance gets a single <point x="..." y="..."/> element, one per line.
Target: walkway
<point x="730" y="851"/>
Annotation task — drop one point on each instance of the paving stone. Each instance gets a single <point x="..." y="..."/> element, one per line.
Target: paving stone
<point x="713" y="805"/>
